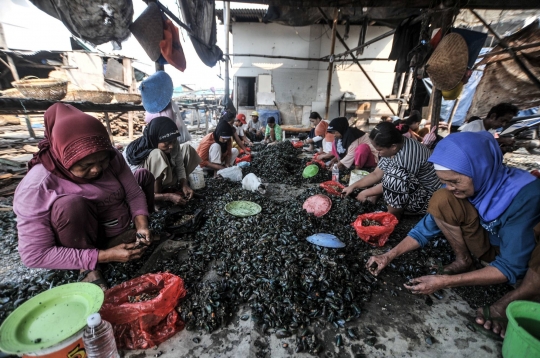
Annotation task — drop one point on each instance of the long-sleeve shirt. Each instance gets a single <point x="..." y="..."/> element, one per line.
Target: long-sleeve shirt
<point x="176" y="161"/>
<point x="116" y="195"/>
<point x="512" y="232"/>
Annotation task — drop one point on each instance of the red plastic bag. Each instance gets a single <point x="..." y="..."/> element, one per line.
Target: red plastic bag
<point x="375" y="235"/>
<point x="146" y="324"/>
<point x="243" y="158"/>
<point x="320" y="162"/>
<point x="332" y="187"/>
<point x="298" y="144"/>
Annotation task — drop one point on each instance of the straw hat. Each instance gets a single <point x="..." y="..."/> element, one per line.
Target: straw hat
<point x="448" y="63"/>
<point x="148" y="30"/>
<point x="453" y="93"/>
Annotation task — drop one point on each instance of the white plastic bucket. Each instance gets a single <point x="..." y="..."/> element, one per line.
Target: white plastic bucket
<point x="196" y="180"/>
<point x="70" y="347"/>
<point x="356" y="175"/>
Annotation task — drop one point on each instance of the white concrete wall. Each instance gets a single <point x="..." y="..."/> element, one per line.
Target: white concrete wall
<point x="303" y="83"/>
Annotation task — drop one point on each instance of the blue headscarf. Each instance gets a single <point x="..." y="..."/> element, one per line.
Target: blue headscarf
<point x="478" y="156"/>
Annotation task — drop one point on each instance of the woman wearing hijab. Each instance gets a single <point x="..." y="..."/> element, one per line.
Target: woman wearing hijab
<point x="170" y="163"/>
<point x="216" y="149"/>
<point x="76" y="204"/>
<point x="351" y="146"/>
<point x="488" y="211"/>
<point x="156" y="92"/>
<point x="407" y="180"/>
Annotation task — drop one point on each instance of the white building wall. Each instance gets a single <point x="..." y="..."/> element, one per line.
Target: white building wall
<point x="298" y="84"/>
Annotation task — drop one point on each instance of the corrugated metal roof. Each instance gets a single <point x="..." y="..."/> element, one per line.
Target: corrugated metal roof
<point x="243" y="15"/>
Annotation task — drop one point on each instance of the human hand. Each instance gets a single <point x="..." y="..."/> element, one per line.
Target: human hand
<point x="361" y="197"/>
<point x="309" y="140"/>
<point x="176" y="199"/>
<point x="144" y="236"/>
<point x="347" y="191"/>
<point x="188" y="192"/>
<point x="506" y="140"/>
<point x="426" y="285"/>
<point x="376" y="263"/>
<point x="124" y="252"/>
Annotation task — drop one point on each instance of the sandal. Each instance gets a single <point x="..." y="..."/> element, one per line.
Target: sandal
<point x="487" y="317"/>
<point x="100" y="281"/>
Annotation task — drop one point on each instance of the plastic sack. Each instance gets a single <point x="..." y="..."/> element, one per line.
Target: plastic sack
<point x="332" y="187"/>
<point x="375" y="235"/>
<point x="232" y="173"/>
<point x="145" y="324"/>
<point x="318" y="161"/>
<point x="251" y="182"/>
<point x="243" y="158"/>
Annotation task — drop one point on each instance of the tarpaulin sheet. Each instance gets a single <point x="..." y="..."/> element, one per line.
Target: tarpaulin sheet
<point x="504" y="80"/>
<point x="200" y="16"/>
<point x="96" y="21"/>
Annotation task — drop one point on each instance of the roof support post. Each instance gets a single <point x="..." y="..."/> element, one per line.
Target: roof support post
<point x="331" y="64"/>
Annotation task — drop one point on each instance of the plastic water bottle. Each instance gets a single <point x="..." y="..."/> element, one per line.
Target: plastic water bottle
<point x="98" y="338"/>
<point x="335" y="173"/>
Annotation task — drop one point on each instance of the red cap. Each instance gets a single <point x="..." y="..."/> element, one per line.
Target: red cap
<point x="241" y="117"/>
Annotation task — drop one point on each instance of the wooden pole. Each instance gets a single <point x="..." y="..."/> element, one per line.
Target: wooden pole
<point x="454" y="109"/>
<point x="511" y="51"/>
<point x="323" y="59"/>
<point x="108" y="126"/>
<point x="331" y="64"/>
<point x="378" y="38"/>
<point x="355" y="60"/>
<point x="408" y="87"/>
<point x="227" y="24"/>
<point x="445" y="21"/>
<point x="401" y="82"/>
<point x="130" y="125"/>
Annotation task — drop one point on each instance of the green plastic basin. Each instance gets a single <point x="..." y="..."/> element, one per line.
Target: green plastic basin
<point x="522" y="337"/>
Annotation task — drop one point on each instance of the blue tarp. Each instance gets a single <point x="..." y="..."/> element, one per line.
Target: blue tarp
<point x="265" y="113"/>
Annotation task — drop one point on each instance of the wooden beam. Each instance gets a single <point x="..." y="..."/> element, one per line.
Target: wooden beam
<point x="425" y="4"/>
<point x="358" y="64"/>
<point x="323" y="59"/>
<point x="32" y="106"/>
<point x="505" y="46"/>
<point x="370" y="42"/>
<point x="331" y="64"/>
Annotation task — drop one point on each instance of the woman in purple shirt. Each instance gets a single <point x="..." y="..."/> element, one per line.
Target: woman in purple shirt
<point x="75" y="206"/>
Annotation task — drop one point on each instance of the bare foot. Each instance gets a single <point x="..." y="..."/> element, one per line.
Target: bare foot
<point x="95" y="277"/>
<point x="492" y="318"/>
<point x="458" y="266"/>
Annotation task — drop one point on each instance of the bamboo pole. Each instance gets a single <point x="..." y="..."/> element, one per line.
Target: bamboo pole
<point x="108" y="126"/>
<point x="408" y="86"/>
<point x="227" y="21"/>
<point x="323" y="59"/>
<point x="331" y="65"/>
<point x="370" y="42"/>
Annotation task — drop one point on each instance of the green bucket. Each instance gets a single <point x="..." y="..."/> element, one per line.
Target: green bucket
<point x="522" y="337"/>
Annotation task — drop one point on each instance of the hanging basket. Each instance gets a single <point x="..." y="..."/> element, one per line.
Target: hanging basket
<point x="128" y="98"/>
<point x="51" y="89"/>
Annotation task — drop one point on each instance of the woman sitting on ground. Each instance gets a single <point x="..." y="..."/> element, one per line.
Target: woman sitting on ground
<point x="351" y="146"/>
<point x="216" y="149"/>
<point x="158" y="151"/>
<point x="76" y="204"/>
<point x="230" y="118"/>
<point x="317" y="133"/>
<point x="403" y="176"/>
<point x="409" y="127"/>
<point x="273" y="132"/>
<point x="488" y="211"/>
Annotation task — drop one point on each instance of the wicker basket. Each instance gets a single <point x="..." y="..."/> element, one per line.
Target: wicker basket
<point x="128" y="98"/>
<point x="51" y="89"/>
<point x="90" y="96"/>
<point x="12" y="93"/>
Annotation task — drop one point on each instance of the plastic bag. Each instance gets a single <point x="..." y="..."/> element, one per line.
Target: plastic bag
<point x="332" y="187"/>
<point x="318" y="161"/>
<point x="232" y="173"/>
<point x="243" y="158"/>
<point x="145" y="324"/>
<point x="298" y="144"/>
<point x="375" y="235"/>
<point x="251" y="182"/>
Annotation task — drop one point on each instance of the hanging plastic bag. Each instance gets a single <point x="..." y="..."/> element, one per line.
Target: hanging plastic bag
<point x="232" y="173"/>
<point x="332" y="187"/>
<point x="142" y="310"/>
<point x="374" y="234"/>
